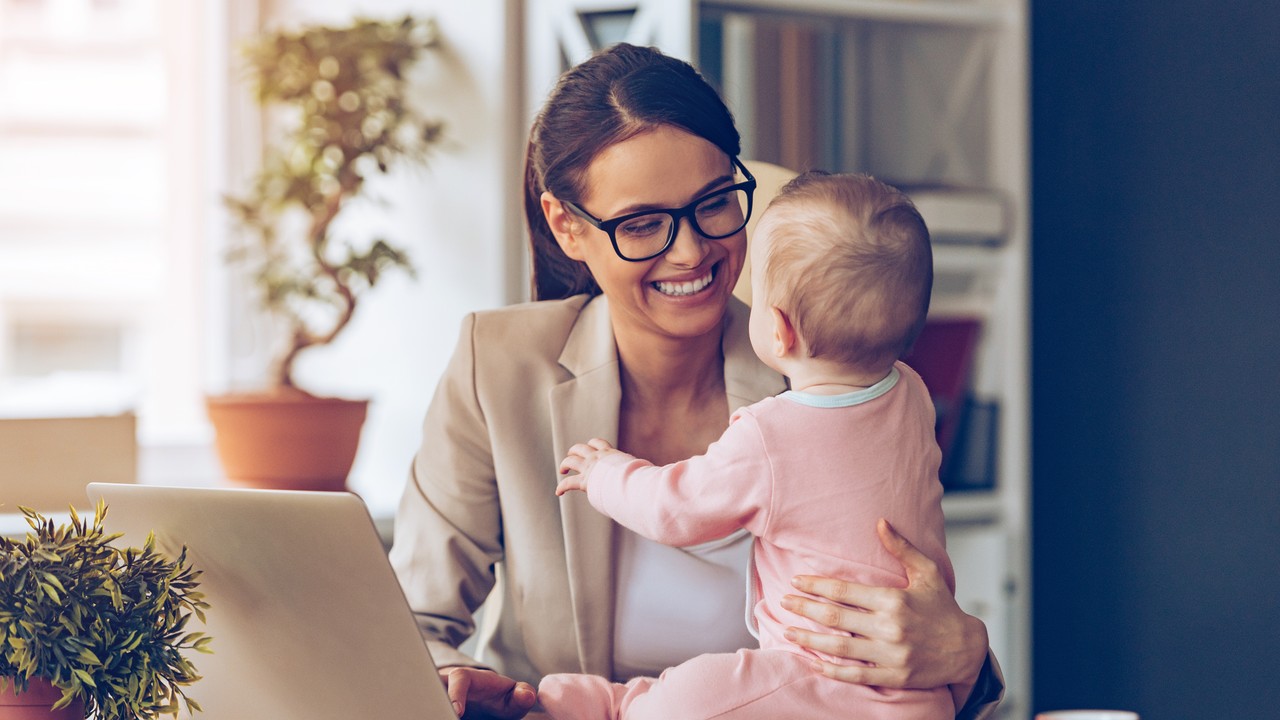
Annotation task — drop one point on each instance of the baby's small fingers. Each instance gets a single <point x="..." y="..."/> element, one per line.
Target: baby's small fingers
<point x="573" y="482"/>
<point x="598" y="444"/>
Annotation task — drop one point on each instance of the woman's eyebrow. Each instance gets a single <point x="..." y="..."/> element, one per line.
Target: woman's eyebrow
<point x="639" y="207"/>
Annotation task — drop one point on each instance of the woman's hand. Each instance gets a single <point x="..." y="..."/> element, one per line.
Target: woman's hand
<point x="912" y="637"/>
<point x="486" y="694"/>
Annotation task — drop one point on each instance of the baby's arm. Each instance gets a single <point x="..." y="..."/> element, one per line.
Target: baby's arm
<point x="685" y="503"/>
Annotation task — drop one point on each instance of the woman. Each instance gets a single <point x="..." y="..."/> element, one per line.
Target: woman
<point x="637" y="340"/>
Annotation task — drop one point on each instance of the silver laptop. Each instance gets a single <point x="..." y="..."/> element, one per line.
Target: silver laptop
<point x="307" y="618"/>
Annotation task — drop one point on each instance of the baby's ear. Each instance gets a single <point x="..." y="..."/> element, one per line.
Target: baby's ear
<point x="563" y="226"/>
<point x="784" y="333"/>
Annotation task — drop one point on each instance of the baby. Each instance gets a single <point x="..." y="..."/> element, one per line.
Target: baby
<point x="842" y="271"/>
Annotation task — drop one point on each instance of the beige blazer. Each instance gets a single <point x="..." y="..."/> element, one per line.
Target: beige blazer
<point x="479" y="512"/>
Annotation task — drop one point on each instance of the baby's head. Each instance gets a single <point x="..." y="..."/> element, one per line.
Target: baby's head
<point x="845" y="259"/>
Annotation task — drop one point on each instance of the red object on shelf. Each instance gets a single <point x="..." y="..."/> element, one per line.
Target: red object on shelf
<point x="943" y="356"/>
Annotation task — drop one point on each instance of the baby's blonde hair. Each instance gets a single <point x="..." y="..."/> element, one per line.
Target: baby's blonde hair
<point x="850" y="264"/>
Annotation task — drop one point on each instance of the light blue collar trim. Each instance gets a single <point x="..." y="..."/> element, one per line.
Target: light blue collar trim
<point x="857" y="397"/>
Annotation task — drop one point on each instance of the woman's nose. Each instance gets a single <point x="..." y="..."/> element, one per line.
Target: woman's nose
<point x="689" y="247"/>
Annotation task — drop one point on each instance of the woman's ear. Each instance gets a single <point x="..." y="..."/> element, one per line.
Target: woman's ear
<point x="562" y="225"/>
<point x="784" y="333"/>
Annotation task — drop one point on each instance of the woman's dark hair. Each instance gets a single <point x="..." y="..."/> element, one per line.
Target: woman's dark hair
<point x="617" y="94"/>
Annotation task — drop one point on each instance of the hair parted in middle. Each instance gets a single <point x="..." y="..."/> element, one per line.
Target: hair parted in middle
<point x="850" y="263"/>
<point x="615" y="95"/>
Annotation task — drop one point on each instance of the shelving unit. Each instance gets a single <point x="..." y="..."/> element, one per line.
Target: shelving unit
<point x="915" y="92"/>
<point x="933" y="94"/>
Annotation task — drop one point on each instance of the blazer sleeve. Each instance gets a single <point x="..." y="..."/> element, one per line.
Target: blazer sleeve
<point x="987" y="692"/>
<point x="448" y="527"/>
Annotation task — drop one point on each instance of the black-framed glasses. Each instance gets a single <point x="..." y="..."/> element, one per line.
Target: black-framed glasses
<point x="647" y="234"/>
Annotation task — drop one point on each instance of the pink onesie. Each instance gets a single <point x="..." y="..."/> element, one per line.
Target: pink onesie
<point x="808" y="475"/>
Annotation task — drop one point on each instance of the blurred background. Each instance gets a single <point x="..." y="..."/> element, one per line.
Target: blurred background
<point x="1119" y="516"/>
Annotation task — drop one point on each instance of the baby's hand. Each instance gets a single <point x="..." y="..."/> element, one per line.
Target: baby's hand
<point x="581" y="458"/>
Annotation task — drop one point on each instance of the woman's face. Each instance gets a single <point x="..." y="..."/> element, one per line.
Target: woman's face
<point x="684" y="292"/>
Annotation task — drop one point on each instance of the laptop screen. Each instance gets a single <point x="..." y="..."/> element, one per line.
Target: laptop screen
<point x="307" y="617"/>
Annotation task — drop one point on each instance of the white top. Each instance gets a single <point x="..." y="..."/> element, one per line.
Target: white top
<point x="675" y="603"/>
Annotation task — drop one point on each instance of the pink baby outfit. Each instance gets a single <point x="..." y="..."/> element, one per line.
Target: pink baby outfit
<point x="809" y="476"/>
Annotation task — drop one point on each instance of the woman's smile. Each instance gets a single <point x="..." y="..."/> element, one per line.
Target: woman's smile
<point x="683" y="288"/>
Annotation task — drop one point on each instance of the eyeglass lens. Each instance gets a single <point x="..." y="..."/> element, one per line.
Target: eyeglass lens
<point x="717" y="216"/>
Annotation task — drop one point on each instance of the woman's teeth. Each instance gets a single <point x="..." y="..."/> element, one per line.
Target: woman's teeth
<point x="684" y="288"/>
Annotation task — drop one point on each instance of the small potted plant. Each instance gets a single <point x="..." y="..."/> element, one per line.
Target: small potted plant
<point x="87" y="627"/>
<point x="345" y="96"/>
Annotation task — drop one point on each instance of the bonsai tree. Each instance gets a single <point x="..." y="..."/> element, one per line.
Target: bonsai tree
<point x="105" y="625"/>
<point x="344" y="93"/>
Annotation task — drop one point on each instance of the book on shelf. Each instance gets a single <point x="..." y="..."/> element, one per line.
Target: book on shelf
<point x="971" y="464"/>
<point x="943" y="356"/>
<point x="961" y="214"/>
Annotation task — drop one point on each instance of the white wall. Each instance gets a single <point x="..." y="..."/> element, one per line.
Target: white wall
<point x="457" y="218"/>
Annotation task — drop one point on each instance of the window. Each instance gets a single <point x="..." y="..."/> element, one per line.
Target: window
<point x="106" y="116"/>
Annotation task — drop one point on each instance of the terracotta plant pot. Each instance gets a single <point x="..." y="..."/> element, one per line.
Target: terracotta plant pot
<point x="286" y="440"/>
<point x="34" y="704"/>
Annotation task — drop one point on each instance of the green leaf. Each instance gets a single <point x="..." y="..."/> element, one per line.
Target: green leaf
<point x="51" y="593"/>
<point x="53" y="580"/>
<point x="84" y="677"/>
<point x="67" y="697"/>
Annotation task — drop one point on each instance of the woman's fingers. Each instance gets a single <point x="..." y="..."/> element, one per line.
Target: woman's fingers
<point x="517" y="702"/>
<point x="487" y="693"/>
<point x="854" y="620"/>
<point x="918" y="565"/>
<point x="854" y="595"/>
<point x="862" y="674"/>
<point x="852" y="647"/>
<point x="457" y="682"/>
<point x="874" y="663"/>
<point x="919" y="568"/>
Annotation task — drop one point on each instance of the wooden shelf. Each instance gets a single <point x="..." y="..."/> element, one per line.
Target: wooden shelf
<point x="968" y="507"/>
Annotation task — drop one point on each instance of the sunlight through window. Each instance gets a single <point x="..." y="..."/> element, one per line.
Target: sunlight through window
<point x="104" y="206"/>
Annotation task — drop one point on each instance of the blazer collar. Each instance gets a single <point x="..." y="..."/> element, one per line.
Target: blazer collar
<point x="590" y="344"/>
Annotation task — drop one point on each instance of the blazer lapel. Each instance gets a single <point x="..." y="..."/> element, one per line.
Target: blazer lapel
<point x="583" y="407"/>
